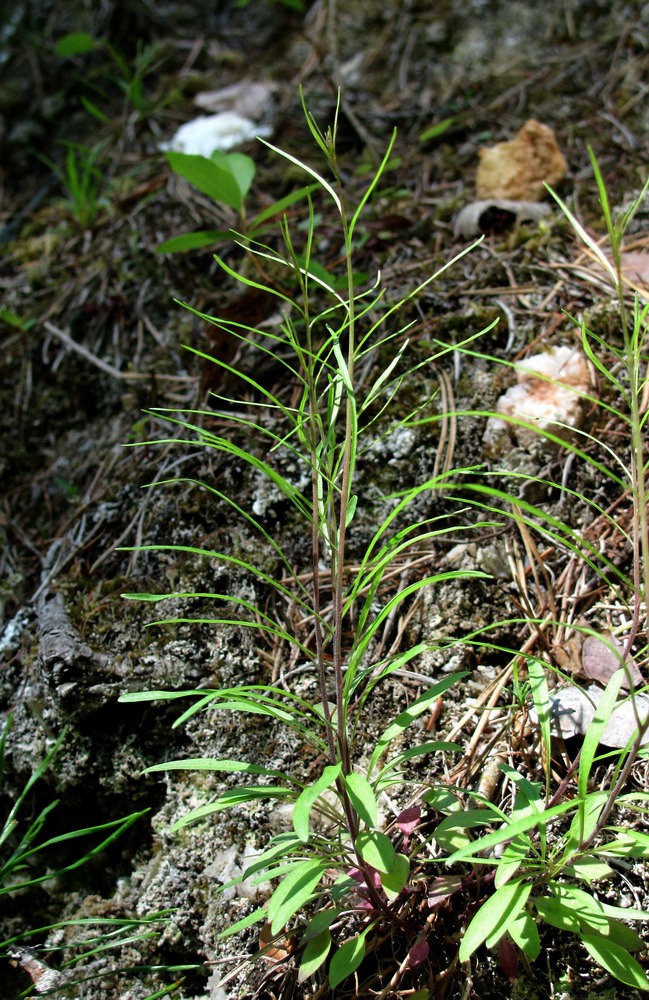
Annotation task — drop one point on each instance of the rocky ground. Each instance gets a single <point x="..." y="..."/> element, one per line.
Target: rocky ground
<point x="92" y="339"/>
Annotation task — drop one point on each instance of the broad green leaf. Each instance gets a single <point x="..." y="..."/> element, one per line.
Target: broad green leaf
<point x="253" y="918"/>
<point x="362" y="798"/>
<point x="320" y="922"/>
<point x="394" y="880"/>
<point x="511" y="859"/>
<point x="210" y="178"/>
<point x="314" y="954"/>
<point x="589" y="869"/>
<point x="241" y="167"/>
<point x="346" y="960"/>
<point x="616" y="960"/>
<point x="524" y="932"/>
<point x="376" y="849"/>
<point x="192" y="241"/>
<point x="351" y="510"/>
<point x="77" y="43"/>
<point x="418" y="707"/>
<point x="451" y="834"/>
<point x="557" y="913"/>
<point x="623" y="935"/>
<point x="585" y="901"/>
<point x="307" y="799"/>
<point x="442" y="800"/>
<point x="613" y="930"/>
<point x="584" y="821"/>
<point x="494" y="917"/>
<point x="293" y="892"/>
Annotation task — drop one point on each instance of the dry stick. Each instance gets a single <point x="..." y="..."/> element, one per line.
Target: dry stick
<point x="85" y="353"/>
<point x="489" y="698"/>
<point x="104" y="366"/>
<point x="432" y="916"/>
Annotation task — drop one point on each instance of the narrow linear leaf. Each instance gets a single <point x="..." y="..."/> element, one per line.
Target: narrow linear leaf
<point x="233" y="797"/>
<point x="192" y="241"/>
<point x="508" y="831"/>
<point x="253" y="918"/>
<point x="278" y="207"/>
<point x="211" y="764"/>
<point x="413" y="712"/>
<point x="593" y="735"/>
<point x="437" y="746"/>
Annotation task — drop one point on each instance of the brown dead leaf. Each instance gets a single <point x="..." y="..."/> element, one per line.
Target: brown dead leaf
<point x="275" y="947"/>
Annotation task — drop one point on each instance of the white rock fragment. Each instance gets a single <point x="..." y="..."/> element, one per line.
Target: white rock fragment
<point x="496" y="214"/>
<point x="548" y="394"/>
<point x="572" y="711"/>
<point x="249" y="98"/>
<point x="209" y="132"/>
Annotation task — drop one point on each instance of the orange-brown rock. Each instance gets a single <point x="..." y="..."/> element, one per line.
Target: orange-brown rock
<point x="517" y="169"/>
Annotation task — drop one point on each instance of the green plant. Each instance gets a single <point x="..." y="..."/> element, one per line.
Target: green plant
<point x="332" y="331"/>
<point x="17" y="322"/>
<point x="226" y="178"/>
<point x="23" y="854"/>
<point x="554" y="842"/>
<point x="84" y="181"/>
<point x="29" y="858"/>
<point x="131" y="75"/>
<point x="544" y="869"/>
